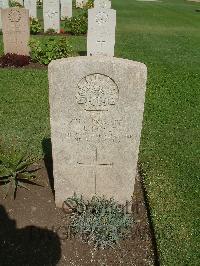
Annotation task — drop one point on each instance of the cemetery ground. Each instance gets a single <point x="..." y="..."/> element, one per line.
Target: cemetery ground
<point x="165" y="36"/>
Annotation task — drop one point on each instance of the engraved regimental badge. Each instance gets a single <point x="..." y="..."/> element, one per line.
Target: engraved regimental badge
<point x="14" y="15"/>
<point x="97" y="92"/>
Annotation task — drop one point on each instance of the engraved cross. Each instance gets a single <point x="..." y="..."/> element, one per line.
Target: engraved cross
<point x="101" y="43"/>
<point x="96" y="165"/>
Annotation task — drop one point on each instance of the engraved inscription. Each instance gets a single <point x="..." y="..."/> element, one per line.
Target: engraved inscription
<point x="101" y="18"/>
<point x="97" y="92"/>
<point x="14" y="15"/>
<point x="98" y="130"/>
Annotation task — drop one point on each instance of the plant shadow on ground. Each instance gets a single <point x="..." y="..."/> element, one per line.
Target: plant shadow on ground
<point x="30" y="245"/>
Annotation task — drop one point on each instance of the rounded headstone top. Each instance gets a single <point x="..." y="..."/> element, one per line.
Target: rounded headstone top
<point x="95" y="60"/>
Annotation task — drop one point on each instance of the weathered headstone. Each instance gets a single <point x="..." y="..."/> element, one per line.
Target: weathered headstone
<point x="3" y="4"/>
<point x="51" y="15"/>
<point x="80" y="3"/>
<point x="101" y="31"/>
<point x="102" y="4"/>
<point x="96" y="112"/>
<point x="16" y="31"/>
<point x="31" y="5"/>
<point x="66" y="8"/>
<point x="0" y="20"/>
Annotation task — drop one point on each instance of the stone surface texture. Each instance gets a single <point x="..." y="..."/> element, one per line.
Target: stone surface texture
<point x="16" y="30"/>
<point x="66" y="8"/>
<point x="51" y="15"/>
<point x="96" y="113"/>
<point x="101" y="32"/>
<point x="31" y="5"/>
<point x="102" y="4"/>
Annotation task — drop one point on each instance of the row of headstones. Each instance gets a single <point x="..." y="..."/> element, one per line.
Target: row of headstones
<point x="54" y="9"/>
<point x="65" y="7"/>
<point x="31" y="5"/>
<point x="51" y="11"/>
<point x="100" y="39"/>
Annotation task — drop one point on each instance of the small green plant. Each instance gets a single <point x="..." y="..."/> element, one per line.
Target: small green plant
<point x="35" y="26"/>
<point x="16" y="170"/>
<point x="13" y="3"/>
<point x="49" y="49"/>
<point x="89" y="4"/>
<point x="77" y="25"/>
<point x="99" y="221"/>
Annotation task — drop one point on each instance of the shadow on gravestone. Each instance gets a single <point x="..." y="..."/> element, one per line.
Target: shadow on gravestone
<point x="30" y="245"/>
<point x="48" y="160"/>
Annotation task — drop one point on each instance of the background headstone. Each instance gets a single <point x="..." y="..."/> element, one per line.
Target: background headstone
<point x="31" y="5"/>
<point x="16" y="31"/>
<point x="81" y="3"/>
<point x="0" y="20"/>
<point x="51" y="15"/>
<point x="101" y="31"/>
<point x="66" y="8"/>
<point x="102" y="4"/>
<point x="3" y="4"/>
<point x="96" y="113"/>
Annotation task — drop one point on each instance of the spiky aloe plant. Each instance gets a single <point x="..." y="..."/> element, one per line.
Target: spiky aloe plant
<point x="16" y="170"/>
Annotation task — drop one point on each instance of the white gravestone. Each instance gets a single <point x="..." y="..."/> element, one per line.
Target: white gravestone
<point x="0" y="20"/>
<point x="101" y="31"/>
<point x="51" y="15"/>
<point x="16" y="30"/>
<point x="81" y="3"/>
<point x="96" y="113"/>
<point x="66" y="8"/>
<point x="102" y="4"/>
<point x="31" y="5"/>
<point x="3" y="4"/>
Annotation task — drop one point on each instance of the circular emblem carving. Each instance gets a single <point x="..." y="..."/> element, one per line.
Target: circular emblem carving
<point x="51" y="13"/>
<point x="101" y="18"/>
<point x="97" y="92"/>
<point x="14" y="15"/>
